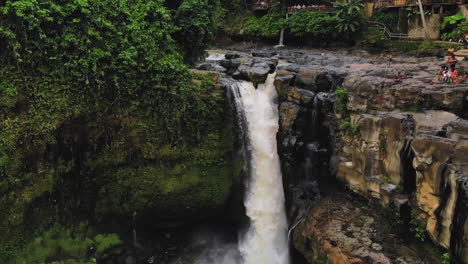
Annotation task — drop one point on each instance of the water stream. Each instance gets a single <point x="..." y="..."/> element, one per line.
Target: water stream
<point x="265" y="241"/>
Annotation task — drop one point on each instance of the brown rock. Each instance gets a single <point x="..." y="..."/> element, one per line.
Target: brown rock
<point x="288" y="114"/>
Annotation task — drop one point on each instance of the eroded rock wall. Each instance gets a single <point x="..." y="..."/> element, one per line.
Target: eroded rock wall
<point x="403" y="144"/>
<point x="373" y="157"/>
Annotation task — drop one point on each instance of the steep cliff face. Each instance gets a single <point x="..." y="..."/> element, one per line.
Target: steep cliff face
<point x="411" y="158"/>
<point x="403" y="144"/>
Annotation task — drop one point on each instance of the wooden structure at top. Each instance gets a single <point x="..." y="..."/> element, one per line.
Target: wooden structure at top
<point x="259" y="8"/>
<point x="312" y="8"/>
<point x="402" y="3"/>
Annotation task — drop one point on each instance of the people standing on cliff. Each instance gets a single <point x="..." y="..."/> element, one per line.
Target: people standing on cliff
<point x="399" y="78"/>
<point x="451" y="59"/>
<point x="444" y="72"/>
<point x="453" y="75"/>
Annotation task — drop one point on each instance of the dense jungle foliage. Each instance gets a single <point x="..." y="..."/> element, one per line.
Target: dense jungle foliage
<point x="319" y="26"/>
<point x="100" y="118"/>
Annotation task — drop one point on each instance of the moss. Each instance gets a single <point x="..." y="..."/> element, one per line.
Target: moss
<point x="114" y="164"/>
<point x="177" y="181"/>
<point x="60" y="245"/>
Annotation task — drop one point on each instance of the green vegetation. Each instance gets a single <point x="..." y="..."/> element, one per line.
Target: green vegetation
<point x="387" y="178"/>
<point x="197" y="23"/>
<point x="389" y="18"/>
<point x="100" y="117"/>
<point x="317" y="25"/>
<point x="375" y="40"/>
<point x="268" y="26"/>
<point x="348" y="16"/>
<point x="350" y="126"/>
<point x="417" y="226"/>
<point x="414" y="11"/>
<point x="457" y="32"/>
<point x="61" y="246"/>
<point x="346" y="124"/>
<point x="445" y="258"/>
<point x="453" y="27"/>
<point x="341" y="100"/>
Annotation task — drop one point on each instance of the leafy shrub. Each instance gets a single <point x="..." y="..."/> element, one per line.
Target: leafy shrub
<point x="341" y="100"/>
<point x="417" y="226"/>
<point x="317" y="25"/>
<point x="350" y="126"/>
<point x="98" y="63"/>
<point x="268" y="26"/>
<point x="197" y="22"/>
<point x="445" y="258"/>
<point x="457" y="32"/>
<point x="60" y="245"/>
<point x="348" y="16"/>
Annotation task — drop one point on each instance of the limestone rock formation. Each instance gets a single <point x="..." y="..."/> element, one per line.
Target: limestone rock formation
<point x="390" y="141"/>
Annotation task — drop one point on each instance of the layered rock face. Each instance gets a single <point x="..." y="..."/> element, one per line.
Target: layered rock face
<point x="413" y="158"/>
<point x="401" y="143"/>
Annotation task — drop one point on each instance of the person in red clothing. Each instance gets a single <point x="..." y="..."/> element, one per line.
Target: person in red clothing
<point x="454" y="75"/>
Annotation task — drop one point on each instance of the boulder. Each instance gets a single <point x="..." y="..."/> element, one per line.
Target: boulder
<point x="232" y="55"/>
<point x="257" y="73"/>
<point x="264" y="54"/>
<point x="211" y="67"/>
<point x="282" y="82"/>
<point x="313" y="80"/>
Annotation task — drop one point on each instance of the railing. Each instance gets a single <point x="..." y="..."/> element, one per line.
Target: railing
<point x="312" y="8"/>
<point x="390" y="34"/>
<point x="397" y="3"/>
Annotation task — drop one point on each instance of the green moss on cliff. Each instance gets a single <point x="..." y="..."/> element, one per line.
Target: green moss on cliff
<point x="100" y="117"/>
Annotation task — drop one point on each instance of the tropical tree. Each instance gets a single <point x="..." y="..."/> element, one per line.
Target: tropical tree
<point x="348" y="16"/>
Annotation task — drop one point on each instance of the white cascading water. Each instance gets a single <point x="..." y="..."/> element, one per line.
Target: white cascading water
<point x="266" y="241"/>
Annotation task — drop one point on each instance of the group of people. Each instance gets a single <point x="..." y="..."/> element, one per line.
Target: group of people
<point x="263" y="4"/>
<point x="297" y="8"/>
<point x="448" y="71"/>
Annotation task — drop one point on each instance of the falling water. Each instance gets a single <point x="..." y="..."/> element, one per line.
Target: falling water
<point x="265" y="242"/>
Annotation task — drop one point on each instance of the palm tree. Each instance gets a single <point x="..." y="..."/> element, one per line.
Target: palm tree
<point x="348" y="16"/>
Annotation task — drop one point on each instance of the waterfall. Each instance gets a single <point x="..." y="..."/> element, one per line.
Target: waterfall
<point x="265" y="242"/>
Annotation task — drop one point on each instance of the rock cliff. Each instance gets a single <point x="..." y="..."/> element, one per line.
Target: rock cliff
<point x="404" y="144"/>
<point x="344" y="116"/>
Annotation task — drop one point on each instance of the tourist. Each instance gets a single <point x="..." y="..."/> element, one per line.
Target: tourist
<point x="453" y="75"/>
<point x="451" y="59"/>
<point x="444" y="74"/>
<point x="465" y="40"/>
<point x="399" y="78"/>
<point x="464" y="78"/>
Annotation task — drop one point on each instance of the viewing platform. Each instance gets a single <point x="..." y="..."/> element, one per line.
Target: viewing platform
<point x="403" y="3"/>
<point x="312" y="8"/>
<point x="259" y="7"/>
